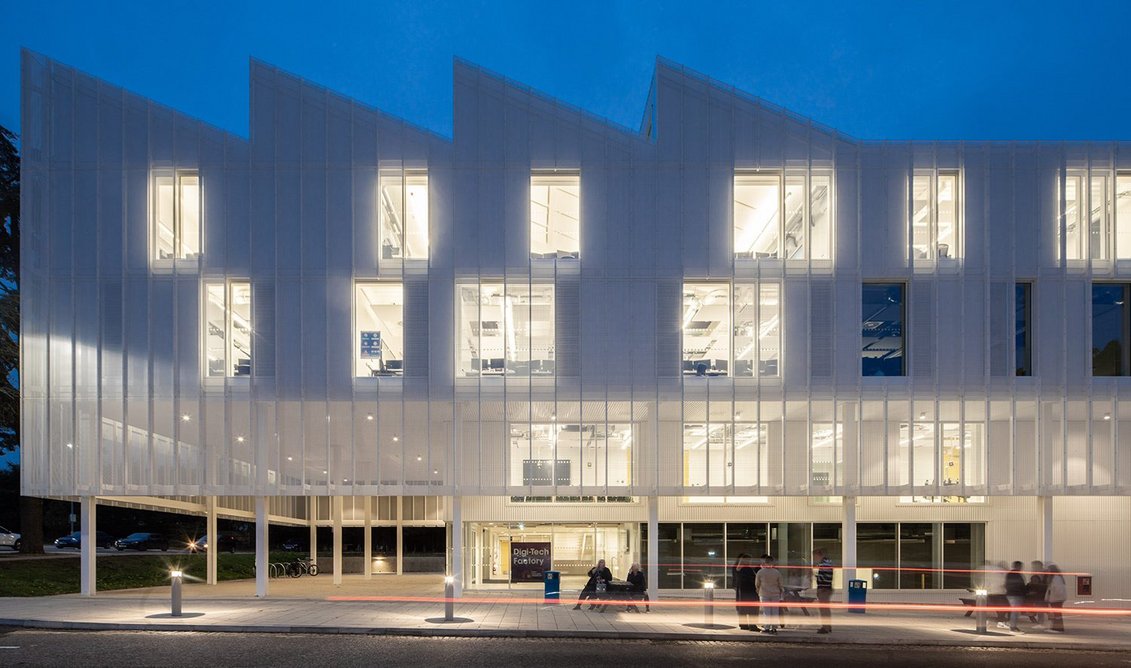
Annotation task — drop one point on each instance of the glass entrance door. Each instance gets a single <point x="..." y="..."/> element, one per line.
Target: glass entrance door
<point x="575" y="548"/>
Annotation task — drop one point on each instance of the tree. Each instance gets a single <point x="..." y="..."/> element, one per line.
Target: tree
<point x="31" y="509"/>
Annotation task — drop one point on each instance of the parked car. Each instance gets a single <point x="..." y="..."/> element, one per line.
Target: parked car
<point x="292" y="545"/>
<point x="101" y="539"/>
<point x="142" y="541"/>
<point x="226" y="542"/>
<point x="9" y="539"/>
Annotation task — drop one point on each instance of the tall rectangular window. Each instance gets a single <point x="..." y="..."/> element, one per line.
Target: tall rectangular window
<point x="721" y="454"/>
<point x="936" y="223"/>
<point x="882" y="345"/>
<point x="1111" y="329"/>
<point x="706" y="329"/>
<point x="378" y="329"/>
<point x="505" y="329"/>
<point x="757" y="330"/>
<point x="1087" y="228"/>
<point x="560" y="454"/>
<point x="1123" y="216"/>
<point x="403" y="214"/>
<point x="176" y="215"/>
<point x="555" y="215"/>
<point x="227" y="328"/>
<point x="827" y="455"/>
<point x="1023" y="329"/>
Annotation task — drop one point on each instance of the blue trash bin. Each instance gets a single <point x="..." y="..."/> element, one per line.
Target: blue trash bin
<point x="857" y="593"/>
<point x="553" y="582"/>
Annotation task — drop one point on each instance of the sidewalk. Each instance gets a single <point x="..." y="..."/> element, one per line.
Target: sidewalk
<point x="413" y="605"/>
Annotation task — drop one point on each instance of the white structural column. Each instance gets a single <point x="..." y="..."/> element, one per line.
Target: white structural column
<point x="260" y="546"/>
<point x="88" y="509"/>
<point x="367" y="567"/>
<point x="312" y="516"/>
<point x="457" y="545"/>
<point x="400" y="535"/>
<point x="848" y="539"/>
<point x="1044" y="512"/>
<point x="653" y="548"/>
<point x="211" y="554"/>
<point x="336" y="511"/>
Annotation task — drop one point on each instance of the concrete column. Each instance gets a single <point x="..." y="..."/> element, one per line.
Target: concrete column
<point x="336" y="513"/>
<point x="367" y="568"/>
<point x="848" y="539"/>
<point x="88" y="512"/>
<point x="400" y="535"/>
<point x="1044" y="512"/>
<point x="312" y="516"/>
<point x="261" y="573"/>
<point x="211" y="554"/>
<point x="653" y="566"/>
<point x="457" y="545"/>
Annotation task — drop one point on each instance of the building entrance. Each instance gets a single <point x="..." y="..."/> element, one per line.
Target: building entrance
<point x="501" y="553"/>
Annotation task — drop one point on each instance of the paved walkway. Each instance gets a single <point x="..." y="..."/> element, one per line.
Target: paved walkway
<point x="413" y="605"/>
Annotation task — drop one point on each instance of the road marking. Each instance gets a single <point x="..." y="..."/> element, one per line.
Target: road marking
<point x="9" y="646"/>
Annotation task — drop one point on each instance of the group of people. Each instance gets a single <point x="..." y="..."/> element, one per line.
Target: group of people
<point x="759" y="587"/>
<point x="1045" y="588"/>
<point x="596" y="588"/>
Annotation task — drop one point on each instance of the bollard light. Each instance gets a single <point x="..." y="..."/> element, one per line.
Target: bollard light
<point x="449" y="597"/>
<point x="709" y="603"/>
<point x="980" y="596"/>
<point x="177" y="576"/>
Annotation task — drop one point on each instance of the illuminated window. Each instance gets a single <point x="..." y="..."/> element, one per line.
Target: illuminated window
<point x="725" y="454"/>
<point x="505" y="330"/>
<point x="403" y="213"/>
<point x="558" y="454"/>
<point x="936" y="224"/>
<point x="709" y="339"/>
<point x="805" y="229"/>
<point x="944" y="454"/>
<point x="227" y="328"/>
<point x="706" y="329"/>
<point x="1123" y="216"/>
<point x="176" y="215"/>
<point x="1086" y="230"/>
<point x="827" y="455"/>
<point x="378" y="329"/>
<point x="555" y="215"/>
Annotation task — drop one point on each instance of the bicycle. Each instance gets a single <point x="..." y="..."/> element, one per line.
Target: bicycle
<point x="299" y="566"/>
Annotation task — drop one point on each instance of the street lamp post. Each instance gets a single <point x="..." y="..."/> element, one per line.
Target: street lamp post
<point x="449" y="598"/>
<point x="177" y="577"/>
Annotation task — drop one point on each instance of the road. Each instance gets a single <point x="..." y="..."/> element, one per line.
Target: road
<point x="30" y="647"/>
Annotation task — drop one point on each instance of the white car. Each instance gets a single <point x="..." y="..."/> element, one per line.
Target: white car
<point x="9" y="539"/>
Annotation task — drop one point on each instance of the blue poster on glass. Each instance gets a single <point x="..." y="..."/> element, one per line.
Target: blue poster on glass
<point x="371" y="345"/>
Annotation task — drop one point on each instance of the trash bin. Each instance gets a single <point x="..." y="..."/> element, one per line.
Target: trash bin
<point x="857" y="593"/>
<point x="553" y="582"/>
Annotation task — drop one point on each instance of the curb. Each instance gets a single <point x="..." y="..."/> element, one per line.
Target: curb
<point x="527" y="633"/>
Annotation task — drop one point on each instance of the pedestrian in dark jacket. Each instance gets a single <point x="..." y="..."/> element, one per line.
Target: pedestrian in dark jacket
<point x="744" y="592"/>
<point x="598" y="575"/>
<point x="1015" y="590"/>
<point x="1035" y="593"/>
<point x="639" y="588"/>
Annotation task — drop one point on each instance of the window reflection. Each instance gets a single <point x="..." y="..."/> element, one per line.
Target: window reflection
<point x="882" y="330"/>
<point x="1110" y="330"/>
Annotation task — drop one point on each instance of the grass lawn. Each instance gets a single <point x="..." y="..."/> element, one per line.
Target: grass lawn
<point x="60" y="575"/>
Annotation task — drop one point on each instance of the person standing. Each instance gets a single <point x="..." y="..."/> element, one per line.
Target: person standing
<point x="599" y="577"/>
<point x="1015" y="589"/>
<point x="1056" y="593"/>
<point x="768" y="582"/>
<point x="1035" y="593"/>
<point x="744" y="592"/>
<point x="824" y="573"/>
<point x="638" y="582"/>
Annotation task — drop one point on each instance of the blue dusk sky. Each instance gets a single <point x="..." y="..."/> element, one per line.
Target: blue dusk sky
<point x="874" y="70"/>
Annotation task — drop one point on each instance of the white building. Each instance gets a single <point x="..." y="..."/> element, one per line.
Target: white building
<point x="731" y="329"/>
